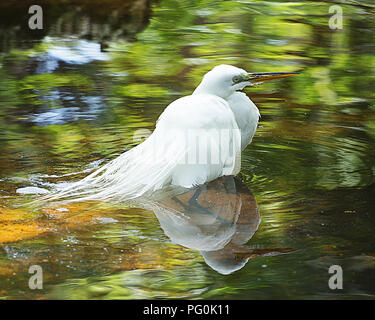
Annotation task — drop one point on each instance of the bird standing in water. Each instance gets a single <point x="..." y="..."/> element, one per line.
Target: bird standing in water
<point x="197" y="139"/>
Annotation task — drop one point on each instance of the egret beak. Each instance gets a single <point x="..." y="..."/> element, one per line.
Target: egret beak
<point x="265" y="76"/>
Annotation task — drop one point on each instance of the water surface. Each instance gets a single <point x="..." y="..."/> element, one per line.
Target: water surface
<point x="74" y="94"/>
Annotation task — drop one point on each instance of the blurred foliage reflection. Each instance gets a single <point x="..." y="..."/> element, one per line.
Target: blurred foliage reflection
<point x="73" y="96"/>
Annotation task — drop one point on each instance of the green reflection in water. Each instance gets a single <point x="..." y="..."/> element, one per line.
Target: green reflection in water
<point x="311" y="165"/>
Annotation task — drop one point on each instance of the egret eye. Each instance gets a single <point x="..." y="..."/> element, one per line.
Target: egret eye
<point x="236" y="79"/>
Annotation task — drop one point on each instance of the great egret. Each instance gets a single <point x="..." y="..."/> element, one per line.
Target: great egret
<point x="197" y="139"/>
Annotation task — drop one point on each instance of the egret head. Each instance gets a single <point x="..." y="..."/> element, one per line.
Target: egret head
<point x="223" y="80"/>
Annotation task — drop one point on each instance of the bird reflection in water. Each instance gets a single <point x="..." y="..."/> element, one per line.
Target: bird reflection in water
<point x="217" y="219"/>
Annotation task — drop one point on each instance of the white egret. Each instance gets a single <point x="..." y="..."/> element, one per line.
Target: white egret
<point x="215" y="107"/>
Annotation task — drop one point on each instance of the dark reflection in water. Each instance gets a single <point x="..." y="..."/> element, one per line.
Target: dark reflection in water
<point x="99" y="20"/>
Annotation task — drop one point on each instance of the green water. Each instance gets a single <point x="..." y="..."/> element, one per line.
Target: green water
<point x="75" y="93"/>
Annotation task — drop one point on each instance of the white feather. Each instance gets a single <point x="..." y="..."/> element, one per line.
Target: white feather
<point x="246" y="114"/>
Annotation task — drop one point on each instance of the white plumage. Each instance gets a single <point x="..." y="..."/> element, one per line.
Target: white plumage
<point x="214" y="125"/>
<point x="246" y="114"/>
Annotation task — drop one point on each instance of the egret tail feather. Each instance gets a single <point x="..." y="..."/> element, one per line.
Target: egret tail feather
<point x="133" y="174"/>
